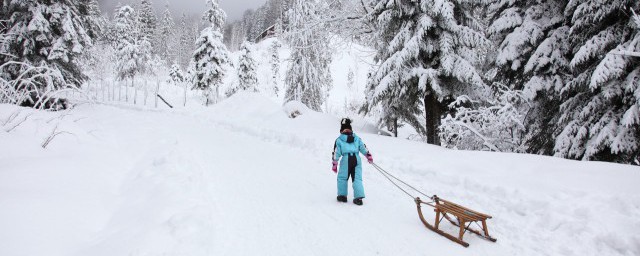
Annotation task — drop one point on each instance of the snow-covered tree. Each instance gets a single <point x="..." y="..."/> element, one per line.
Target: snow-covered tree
<point x="531" y="55"/>
<point x="185" y="44"/>
<point x="166" y="36"/>
<point x="599" y="117"/>
<point x="210" y="56"/>
<point x="133" y="53"/>
<point x="45" y="33"/>
<point x="274" y="61"/>
<point x="495" y="125"/>
<point x="147" y="22"/>
<point x="247" y="73"/>
<point x="428" y="52"/>
<point x="308" y="77"/>
<point x="176" y="76"/>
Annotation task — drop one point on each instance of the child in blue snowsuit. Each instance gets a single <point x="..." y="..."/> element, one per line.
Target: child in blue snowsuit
<point x="347" y="147"/>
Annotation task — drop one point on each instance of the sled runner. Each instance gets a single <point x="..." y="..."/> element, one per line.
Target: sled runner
<point x="464" y="217"/>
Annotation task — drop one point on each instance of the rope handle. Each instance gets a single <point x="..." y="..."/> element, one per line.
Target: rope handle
<point x="388" y="175"/>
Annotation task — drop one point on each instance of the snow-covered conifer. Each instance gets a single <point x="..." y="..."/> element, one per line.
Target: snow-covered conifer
<point x="46" y="33"/>
<point x="531" y="55"/>
<point x="147" y="21"/>
<point x="308" y="77"/>
<point x="247" y="73"/>
<point x="166" y="37"/>
<point x="598" y="119"/>
<point x="427" y="52"/>
<point x="274" y="60"/>
<point x="176" y="76"/>
<point x="210" y="56"/>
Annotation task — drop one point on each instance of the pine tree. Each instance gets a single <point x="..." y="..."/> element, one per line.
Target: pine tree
<point x="210" y="55"/>
<point x="176" y="76"/>
<point x="133" y="49"/>
<point x="185" y="42"/>
<point x="426" y="55"/>
<point x="308" y="77"/>
<point x="46" y="34"/>
<point x="148" y="22"/>
<point x="247" y="74"/>
<point x="274" y="52"/>
<point x="166" y="43"/>
<point x="598" y="118"/>
<point x="532" y="56"/>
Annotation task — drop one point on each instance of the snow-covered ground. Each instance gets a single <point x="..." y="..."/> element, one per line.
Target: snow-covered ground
<point x="244" y="179"/>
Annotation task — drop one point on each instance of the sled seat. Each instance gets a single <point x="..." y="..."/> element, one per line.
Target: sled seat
<point x="463" y="216"/>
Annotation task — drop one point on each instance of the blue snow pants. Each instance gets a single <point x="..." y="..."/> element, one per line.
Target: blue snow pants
<point x="350" y="166"/>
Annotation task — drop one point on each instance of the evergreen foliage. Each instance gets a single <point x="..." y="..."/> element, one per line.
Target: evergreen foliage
<point x="426" y="56"/>
<point x="208" y="60"/>
<point x="308" y="77"/>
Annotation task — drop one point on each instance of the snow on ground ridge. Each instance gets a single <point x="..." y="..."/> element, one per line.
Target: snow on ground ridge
<point x="184" y="182"/>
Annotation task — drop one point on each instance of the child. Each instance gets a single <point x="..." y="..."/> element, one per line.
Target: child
<point x="347" y="147"/>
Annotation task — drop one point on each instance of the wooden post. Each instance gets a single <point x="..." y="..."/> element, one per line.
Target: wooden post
<point x="119" y="91"/>
<point x="185" y="94"/>
<point x="135" y="93"/>
<point x="146" y="92"/>
<point x="157" y="91"/>
<point x="102" y="88"/>
<point x="126" y="92"/>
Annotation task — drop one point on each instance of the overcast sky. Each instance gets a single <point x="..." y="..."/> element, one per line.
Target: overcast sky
<point x="234" y="8"/>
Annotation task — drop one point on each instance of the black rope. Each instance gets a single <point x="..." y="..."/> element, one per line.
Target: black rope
<point x="386" y="174"/>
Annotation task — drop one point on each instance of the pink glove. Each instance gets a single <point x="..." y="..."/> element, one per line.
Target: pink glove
<point x="334" y="168"/>
<point x="369" y="158"/>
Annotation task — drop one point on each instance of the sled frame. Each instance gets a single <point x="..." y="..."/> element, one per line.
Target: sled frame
<point x="464" y="217"/>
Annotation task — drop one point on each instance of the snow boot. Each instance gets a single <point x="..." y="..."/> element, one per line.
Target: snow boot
<point x="358" y="201"/>
<point x="342" y="199"/>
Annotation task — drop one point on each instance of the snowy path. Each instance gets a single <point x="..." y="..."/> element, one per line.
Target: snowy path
<point x="250" y="181"/>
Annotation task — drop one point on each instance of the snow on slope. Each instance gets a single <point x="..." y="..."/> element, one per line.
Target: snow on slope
<point x="241" y="178"/>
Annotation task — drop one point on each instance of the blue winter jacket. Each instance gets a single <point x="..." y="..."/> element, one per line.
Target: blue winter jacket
<point x="342" y="147"/>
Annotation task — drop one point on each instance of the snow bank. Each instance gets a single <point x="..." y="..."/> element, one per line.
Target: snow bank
<point x="209" y="181"/>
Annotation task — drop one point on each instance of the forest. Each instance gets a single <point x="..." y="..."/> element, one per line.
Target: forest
<point x="558" y="78"/>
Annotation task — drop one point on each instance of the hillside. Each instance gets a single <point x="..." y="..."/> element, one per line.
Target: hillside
<point x="244" y="179"/>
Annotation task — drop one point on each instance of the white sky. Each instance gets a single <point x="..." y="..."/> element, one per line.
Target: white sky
<point x="234" y="8"/>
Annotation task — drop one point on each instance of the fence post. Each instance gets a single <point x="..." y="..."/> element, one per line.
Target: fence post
<point x="185" y="93"/>
<point x="135" y="93"/>
<point x="146" y="91"/>
<point x="119" y="90"/>
<point x="157" y="91"/>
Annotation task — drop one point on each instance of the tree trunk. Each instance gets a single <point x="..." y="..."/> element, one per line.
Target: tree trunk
<point x="395" y="127"/>
<point x="185" y="93"/>
<point x="135" y="93"/>
<point x="157" y="91"/>
<point x="432" y="114"/>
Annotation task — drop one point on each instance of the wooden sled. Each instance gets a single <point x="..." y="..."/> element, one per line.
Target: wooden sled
<point x="464" y="218"/>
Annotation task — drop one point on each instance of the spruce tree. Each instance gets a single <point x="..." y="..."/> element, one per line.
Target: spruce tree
<point x="210" y="56"/>
<point x="308" y="77"/>
<point x="133" y="48"/>
<point x="247" y="73"/>
<point x="599" y="118"/>
<point x="426" y="55"/>
<point x="46" y="34"/>
<point x="274" y="60"/>
<point x="532" y="56"/>
<point x="148" y="21"/>
<point x="166" y="42"/>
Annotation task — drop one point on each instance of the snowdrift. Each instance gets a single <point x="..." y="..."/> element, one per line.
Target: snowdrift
<point x="243" y="178"/>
